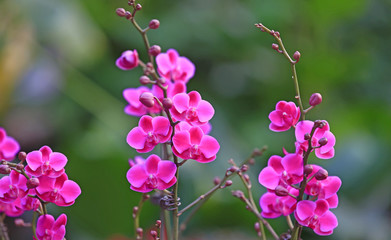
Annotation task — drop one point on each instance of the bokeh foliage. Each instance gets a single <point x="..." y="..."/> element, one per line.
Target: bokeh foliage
<point x="59" y="86"/>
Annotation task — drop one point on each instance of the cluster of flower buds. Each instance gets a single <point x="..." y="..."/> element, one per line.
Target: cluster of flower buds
<point x="30" y="187"/>
<point x="285" y="176"/>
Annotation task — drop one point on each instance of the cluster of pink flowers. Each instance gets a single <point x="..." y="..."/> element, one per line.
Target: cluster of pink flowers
<point x="285" y="176"/>
<point x="28" y="187"/>
<point x="168" y="115"/>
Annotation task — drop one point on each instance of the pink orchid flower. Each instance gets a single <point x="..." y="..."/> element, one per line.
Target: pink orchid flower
<point x="152" y="174"/>
<point x="317" y="216"/>
<point x="191" y="108"/>
<point x="149" y="133"/>
<point x="325" y="151"/>
<point x="172" y="89"/>
<point x="13" y="209"/>
<point x="135" y="107"/>
<point x="323" y="189"/>
<point x="9" y="147"/>
<point x="128" y="60"/>
<point x="60" y="191"/>
<point x="185" y="126"/>
<point x="48" y="229"/>
<point x="12" y="187"/>
<point x="171" y="66"/>
<point x="194" y="144"/>
<point x="274" y="206"/>
<point x="45" y="162"/>
<point x="284" y="117"/>
<point x="282" y="171"/>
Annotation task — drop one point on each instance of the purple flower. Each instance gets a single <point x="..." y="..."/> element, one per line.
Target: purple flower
<point x="171" y="66"/>
<point x="48" y="229"/>
<point x="152" y="174"/>
<point x="284" y="117"/>
<point x="45" y="162"/>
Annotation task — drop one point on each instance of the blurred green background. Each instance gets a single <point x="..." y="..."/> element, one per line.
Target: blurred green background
<point x="59" y="87"/>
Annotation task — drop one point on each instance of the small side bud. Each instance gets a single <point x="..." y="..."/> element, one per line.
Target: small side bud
<point x="275" y="46"/>
<point x="233" y="169"/>
<point x="138" y="6"/>
<point x="296" y="56"/>
<point x="257" y="228"/>
<point x="308" y="169"/>
<point x="239" y="194"/>
<point x="120" y="12"/>
<point x="154" y="24"/>
<point x="323" y="141"/>
<point x="19" y="222"/>
<point x="167" y="103"/>
<point x="281" y="191"/>
<point x="154" y="50"/>
<point x="139" y="233"/>
<point x="307" y="136"/>
<point x="153" y="234"/>
<point x="251" y="161"/>
<point x="244" y="168"/>
<point x="315" y="99"/>
<point x="227" y="183"/>
<point x="158" y="223"/>
<point x="322" y="174"/>
<point x="147" y="99"/>
<point x="5" y="169"/>
<point x="22" y="156"/>
<point x="161" y="80"/>
<point x="247" y="178"/>
<point x="216" y="181"/>
<point x="128" y="15"/>
<point x="135" y="211"/>
<point x="144" y="80"/>
<point x="32" y="183"/>
<point x="20" y="166"/>
<point x="257" y="152"/>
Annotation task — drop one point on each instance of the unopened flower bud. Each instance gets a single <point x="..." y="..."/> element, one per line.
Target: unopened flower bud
<point x="161" y="80"/>
<point x="257" y="228"/>
<point x="251" y="161"/>
<point x="138" y="6"/>
<point x="228" y="183"/>
<point x="130" y="2"/>
<point x="322" y="174"/>
<point x="154" y="50"/>
<point x="20" y="166"/>
<point x="32" y="183"/>
<point x="120" y="12"/>
<point x="167" y="103"/>
<point x="128" y="15"/>
<point x="22" y="156"/>
<point x="244" y="168"/>
<point x="147" y="99"/>
<point x="275" y="46"/>
<point x="315" y="99"/>
<point x="146" y="197"/>
<point x="158" y="223"/>
<point x="296" y="56"/>
<point x="144" y="80"/>
<point x="247" y="178"/>
<point x="307" y="136"/>
<point x="19" y="222"/>
<point x="233" y="169"/>
<point x="154" y="24"/>
<point x="281" y="191"/>
<point x="153" y="234"/>
<point x="318" y="124"/>
<point x="139" y="232"/>
<point x="5" y="169"/>
<point x="323" y="141"/>
<point x="308" y="169"/>
<point x="277" y="34"/>
<point x="135" y="211"/>
<point x="239" y="194"/>
<point x="216" y="181"/>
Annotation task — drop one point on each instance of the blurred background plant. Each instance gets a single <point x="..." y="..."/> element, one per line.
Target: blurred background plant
<point x="59" y="86"/>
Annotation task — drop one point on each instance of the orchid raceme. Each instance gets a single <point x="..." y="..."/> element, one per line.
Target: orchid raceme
<point x="150" y="132"/>
<point x="9" y="147"/>
<point x="45" y="162"/>
<point x="152" y="174"/>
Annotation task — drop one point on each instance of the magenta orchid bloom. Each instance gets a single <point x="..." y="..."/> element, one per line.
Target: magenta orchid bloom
<point x="12" y="187"/>
<point x="323" y="189"/>
<point x="135" y="107"/>
<point x="128" y="60"/>
<point x="171" y="66"/>
<point x="29" y="203"/>
<point x="9" y="147"/>
<point x="194" y="144"/>
<point x="325" y="151"/>
<point x="149" y="133"/>
<point x="274" y="206"/>
<point x="48" y="229"/>
<point x="59" y="191"/>
<point x="191" y="108"/>
<point x="316" y="215"/>
<point x="45" y="162"/>
<point x="185" y="126"/>
<point x="284" y="117"/>
<point x="282" y="171"/>
<point x="152" y="174"/>
<point x="13" y="209"/>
